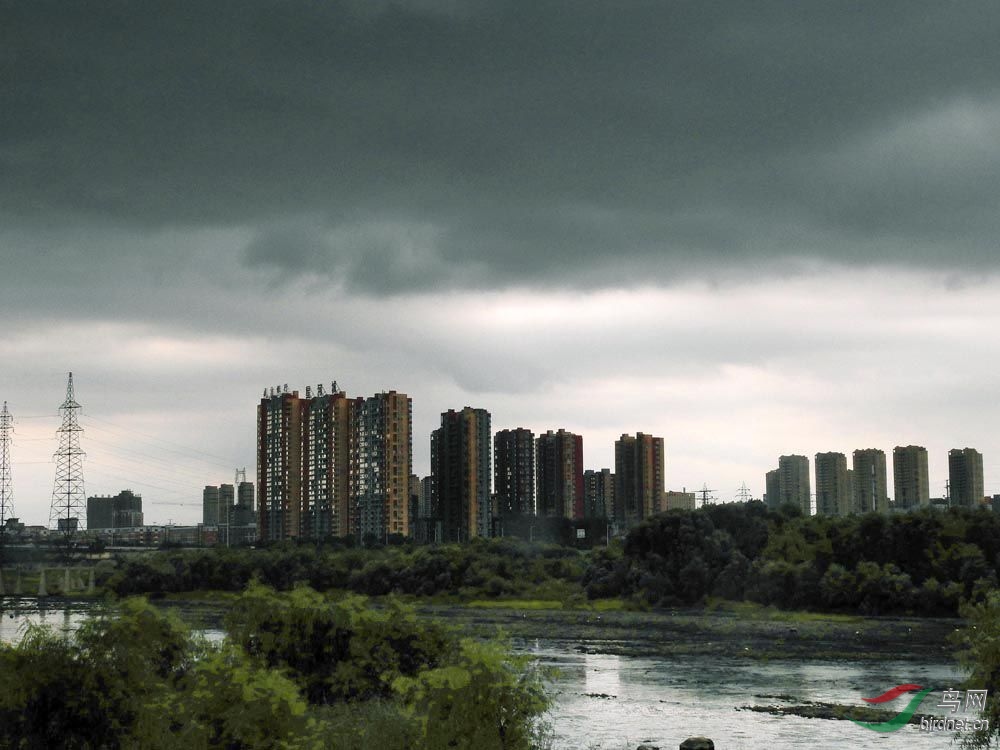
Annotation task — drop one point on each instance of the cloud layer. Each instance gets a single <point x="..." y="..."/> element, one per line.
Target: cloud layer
<point x="751" y="228"/>
<point x="392" y="147"/>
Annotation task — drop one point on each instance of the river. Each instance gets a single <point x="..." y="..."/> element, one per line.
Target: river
<point x="609" y="700"/>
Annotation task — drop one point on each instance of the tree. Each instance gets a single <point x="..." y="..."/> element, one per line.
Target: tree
<point x="979" y="641"/>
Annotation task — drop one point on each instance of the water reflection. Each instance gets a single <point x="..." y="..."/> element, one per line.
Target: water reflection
<point x="619" y="702"/>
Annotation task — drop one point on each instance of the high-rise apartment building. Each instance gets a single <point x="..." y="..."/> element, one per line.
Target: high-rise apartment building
<point x="772" y="492"/>
<point x="209" y="505"/>
<point x="789" y="484"/>
<point x="326" y="463"/>
<point x="243" y="512"/>
<point x="460" y="464"/>
<point x="279" y="465"/>
<point x="833" y="485"/>
<point x="910" y="479"/>
<point x="599" y="494"/>
<point x="332" y="465"/>
<point x="559" y="471"/>
<point x="870" y="485"/>
<point x="965" y="477"/>
<point x="793" y="482"/>
<point x="514" y="472"/>
<point x="639" y="478"/>
<point x="381" y="463"/>
<point x="244" y="495"/>
<point x="216" y="504"/>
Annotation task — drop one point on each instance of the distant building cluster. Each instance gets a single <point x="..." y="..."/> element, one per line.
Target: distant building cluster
<point x="333" y="465"/>
<point x="121" y="511"/>
<point x="329" y="465"/>
<point x="229" y="510"/>
<point x="864" y="487"/>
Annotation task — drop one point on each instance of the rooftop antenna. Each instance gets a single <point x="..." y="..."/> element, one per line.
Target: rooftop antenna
<point x="69" y="502"/>
<point x="6" y="493"/>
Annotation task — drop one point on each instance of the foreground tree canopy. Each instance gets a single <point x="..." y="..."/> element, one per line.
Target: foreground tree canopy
<point x="294" y="671"/>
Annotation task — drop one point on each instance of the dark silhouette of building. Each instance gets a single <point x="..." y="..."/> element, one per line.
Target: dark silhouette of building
<point x="639" y="479"/>
<point x="965" y="477"/>
<point x="121" y="511"/>
<point x="559" y="473"/>
<point x="514" y="472"/>
<point x="460" y="465"/>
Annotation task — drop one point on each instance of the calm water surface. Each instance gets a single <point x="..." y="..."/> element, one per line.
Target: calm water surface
<point x="608" y="702"/>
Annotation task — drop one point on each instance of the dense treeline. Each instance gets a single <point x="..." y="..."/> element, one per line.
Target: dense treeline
<point x="495" y="568"/>
<point x="926" y="562"/>
<point x="295" y="671"/>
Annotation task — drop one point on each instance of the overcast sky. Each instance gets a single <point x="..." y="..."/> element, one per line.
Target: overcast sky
<point x="751" y="228"/>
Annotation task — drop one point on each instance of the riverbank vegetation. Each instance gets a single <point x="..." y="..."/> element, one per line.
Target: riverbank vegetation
<point x="296" y="670"/>
<point x="925" y="562"/>
<point x="920" y="563"/>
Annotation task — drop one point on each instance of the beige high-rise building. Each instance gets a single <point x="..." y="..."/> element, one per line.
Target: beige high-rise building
<point x="965" y="477"/>
<point x="833" y="487"/>
<point x="793" y="482"/>
<point x="381" y="464"/>
<point x="639" y="480"/>
<point x="870" y="485"/>
<point x="909" y="477"/>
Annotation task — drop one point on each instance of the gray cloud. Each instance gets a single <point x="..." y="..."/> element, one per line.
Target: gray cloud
<point x="392" y="147"/>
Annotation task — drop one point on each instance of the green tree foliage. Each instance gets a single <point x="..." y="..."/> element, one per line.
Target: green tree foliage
<point x="338" y="651"/>
<point x="925" y="562"/>
<point x="494" y="567"/>
<point x="979" y="641"/>
<point x="481" y="699"/>
<point x="297" y="672"/>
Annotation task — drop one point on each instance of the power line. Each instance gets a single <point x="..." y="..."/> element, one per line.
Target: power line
<point x="227" y="462"/>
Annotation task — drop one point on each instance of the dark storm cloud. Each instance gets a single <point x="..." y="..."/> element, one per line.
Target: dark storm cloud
<point x="392" y="146"/>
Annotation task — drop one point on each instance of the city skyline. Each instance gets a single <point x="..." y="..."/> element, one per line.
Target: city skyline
<point x="194" y="507"/>
<point x="753" y="231"/>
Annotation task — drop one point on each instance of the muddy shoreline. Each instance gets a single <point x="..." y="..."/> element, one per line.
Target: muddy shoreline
<point x="707" y="632"/>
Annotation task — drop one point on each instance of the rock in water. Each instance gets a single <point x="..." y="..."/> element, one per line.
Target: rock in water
<point x="697" y="743"/>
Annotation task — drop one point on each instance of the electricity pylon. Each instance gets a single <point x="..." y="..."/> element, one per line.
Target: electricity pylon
<point x="6" y="491"/>
<point x="69" y="502"/>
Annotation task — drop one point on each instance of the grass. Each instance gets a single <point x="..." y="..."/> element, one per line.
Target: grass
<point x="600" y="605"/>
<point x="515" y="604"/>
<point x="754" y="611"/>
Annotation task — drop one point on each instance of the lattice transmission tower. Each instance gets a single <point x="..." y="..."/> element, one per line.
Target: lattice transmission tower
<point x="69" y="503"/>
<point x="6" y="490"/>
